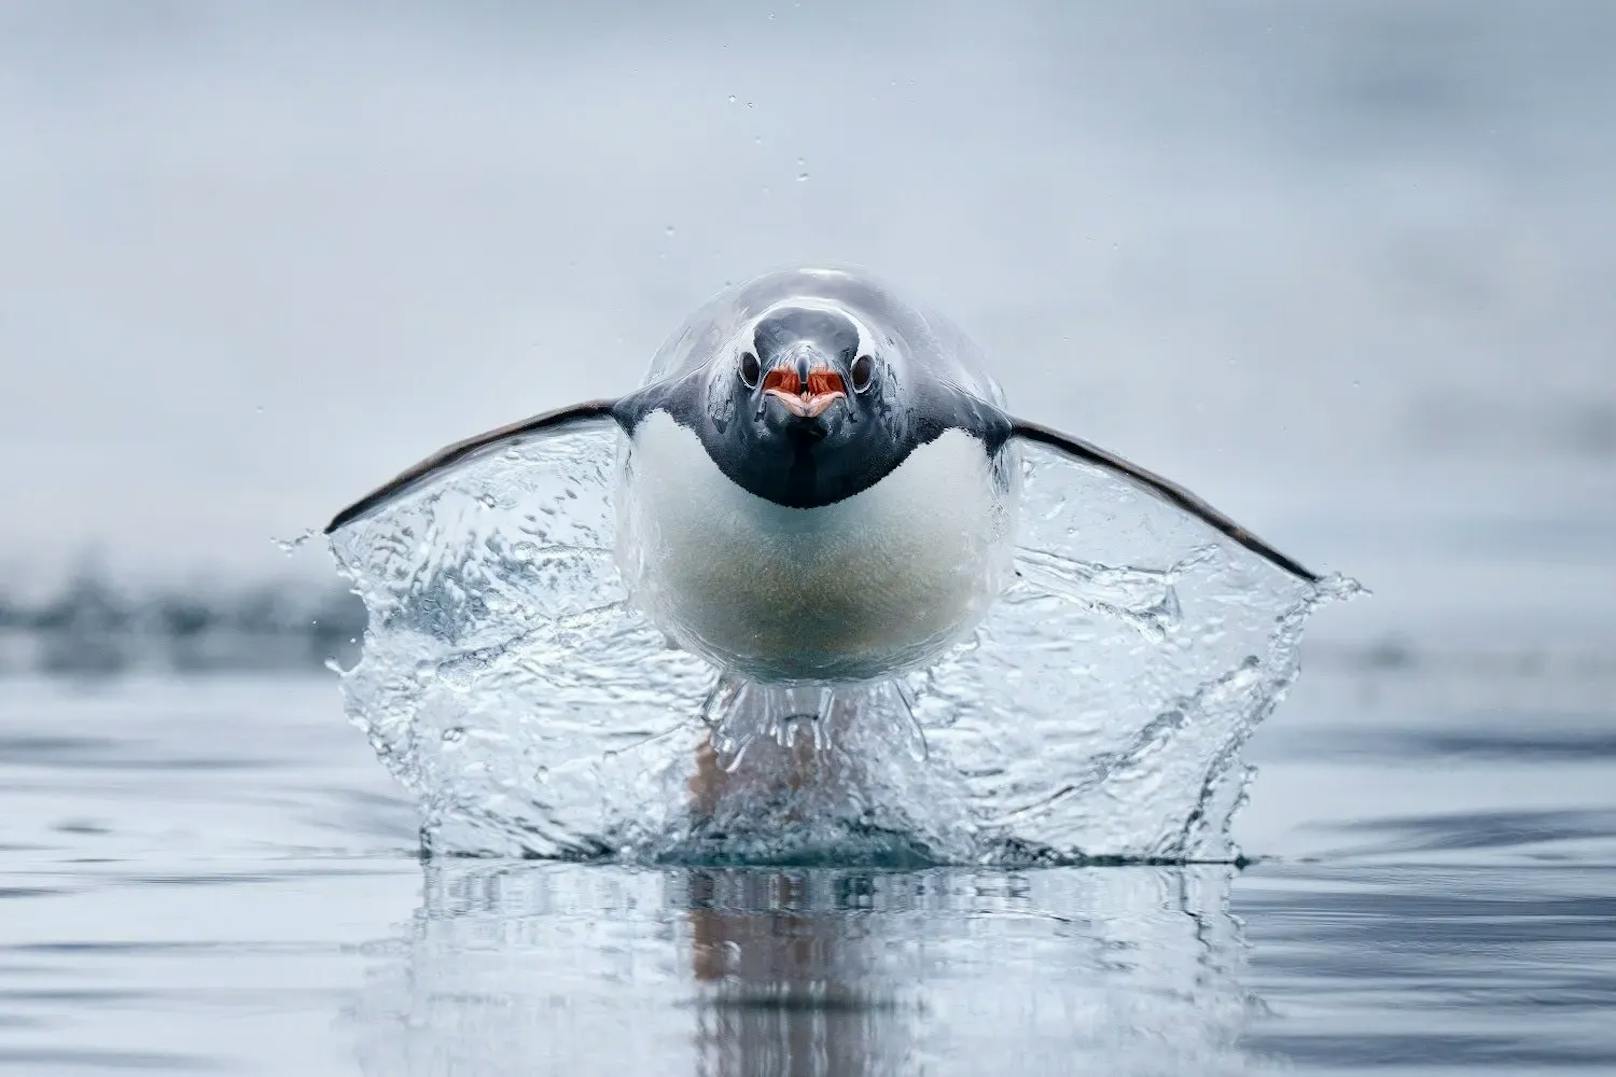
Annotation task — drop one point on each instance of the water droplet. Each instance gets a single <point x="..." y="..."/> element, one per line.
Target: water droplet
<point x="454" y="735"/>
<point x="488" y="501"/>
<point x="542" y="774"/>
<point x="291" y="545"/>
<point x="259" y="409"/>
<point x="669" y="230"/>
<point x="802" y="170"/>
<point x="732" y="99"/>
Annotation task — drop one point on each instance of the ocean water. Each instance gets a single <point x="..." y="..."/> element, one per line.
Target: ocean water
<point x="213" y="874"/>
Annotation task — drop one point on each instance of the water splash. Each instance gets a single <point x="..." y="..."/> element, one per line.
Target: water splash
<point x="290" y="546"/>
<point x="1098" y="712"/>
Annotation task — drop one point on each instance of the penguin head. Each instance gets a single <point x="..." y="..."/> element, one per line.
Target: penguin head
<point x="808" y="406"/>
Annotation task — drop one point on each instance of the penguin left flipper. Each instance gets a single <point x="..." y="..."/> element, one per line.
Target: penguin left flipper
<point x="1098" y="708"/>
<point x="1165" y="489"/>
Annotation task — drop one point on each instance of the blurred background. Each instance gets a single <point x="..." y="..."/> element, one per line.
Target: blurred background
<point x="1345" y="270"/>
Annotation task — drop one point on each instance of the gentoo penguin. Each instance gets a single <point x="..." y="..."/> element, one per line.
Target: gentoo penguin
<point x="817" y="482"/>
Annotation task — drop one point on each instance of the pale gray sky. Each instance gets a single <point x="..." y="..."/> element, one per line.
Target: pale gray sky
<point x="1344" y="269"/>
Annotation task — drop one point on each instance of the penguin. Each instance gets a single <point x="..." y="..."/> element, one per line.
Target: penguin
<point x="817" y="481"/>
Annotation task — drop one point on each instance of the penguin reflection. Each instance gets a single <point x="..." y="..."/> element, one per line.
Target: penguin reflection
<point x="567" y="968"/>
<point x="808" y="971"/>
<point x="786" y="986"/>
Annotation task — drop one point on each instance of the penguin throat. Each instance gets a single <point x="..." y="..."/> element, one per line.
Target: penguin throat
<point x="801" y="469"/>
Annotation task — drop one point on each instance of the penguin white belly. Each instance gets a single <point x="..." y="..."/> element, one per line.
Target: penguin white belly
<point x="854" y="590"/>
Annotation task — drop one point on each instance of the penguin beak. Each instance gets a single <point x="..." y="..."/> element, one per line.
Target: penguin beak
<point x="806" y="398"/>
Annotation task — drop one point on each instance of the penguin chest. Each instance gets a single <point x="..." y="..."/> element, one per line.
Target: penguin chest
<point x="880" y="581"/>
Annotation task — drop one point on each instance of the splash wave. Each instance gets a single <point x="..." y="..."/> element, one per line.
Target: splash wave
<point x="1098" y="712"/>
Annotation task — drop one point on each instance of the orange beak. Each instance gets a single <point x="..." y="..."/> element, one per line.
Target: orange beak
<point x="804" y="399"/>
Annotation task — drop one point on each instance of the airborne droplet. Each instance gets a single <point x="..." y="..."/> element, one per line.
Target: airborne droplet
<point x="292" y="545"/>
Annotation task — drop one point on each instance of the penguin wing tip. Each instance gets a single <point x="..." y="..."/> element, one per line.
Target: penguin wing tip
<point x="1165" y="489"/>
<point x="452" y="455"/>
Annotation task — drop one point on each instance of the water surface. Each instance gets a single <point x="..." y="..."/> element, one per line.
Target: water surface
<point x="212" y="874"/>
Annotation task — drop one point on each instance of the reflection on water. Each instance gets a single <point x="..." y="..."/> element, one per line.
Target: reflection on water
<point x="531" y="968"/>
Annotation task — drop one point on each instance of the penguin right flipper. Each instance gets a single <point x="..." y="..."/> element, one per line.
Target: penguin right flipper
<point x="506" y="676"/>
<point x="460" y="452"/>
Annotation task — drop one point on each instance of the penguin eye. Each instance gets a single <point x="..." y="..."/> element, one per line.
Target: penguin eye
<point x="863" y="372"/>
<point x="750" y="370"/>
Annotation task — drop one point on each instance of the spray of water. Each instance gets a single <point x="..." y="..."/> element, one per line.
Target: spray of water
<point x="1098" y="712"/>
